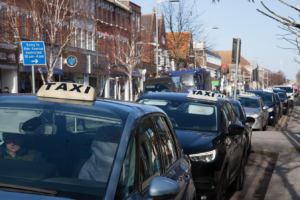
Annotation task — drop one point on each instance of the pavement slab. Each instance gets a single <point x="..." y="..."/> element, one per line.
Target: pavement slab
<point x="285" y="181"/>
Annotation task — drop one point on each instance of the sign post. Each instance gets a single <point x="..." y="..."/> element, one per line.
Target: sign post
<point x="33" y="54"/>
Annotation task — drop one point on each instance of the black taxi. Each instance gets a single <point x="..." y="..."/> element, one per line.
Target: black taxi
<point x="211" y="134"/>
<point x="64" y="143"/>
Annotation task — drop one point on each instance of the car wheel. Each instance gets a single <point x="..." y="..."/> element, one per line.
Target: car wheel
<point x="266" y="126"/>
<point x="223" y="187"/>
<point x="238" y="183"/>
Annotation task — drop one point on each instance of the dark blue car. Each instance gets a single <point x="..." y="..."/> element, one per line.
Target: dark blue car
<point x="269" y="100"/>
<point x="284" y="99"/>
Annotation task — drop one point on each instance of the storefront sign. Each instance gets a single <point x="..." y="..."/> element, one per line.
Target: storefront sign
<point x="11" y="58"/>
<point x="72" y="61"/>
<point x="100" y="65"/>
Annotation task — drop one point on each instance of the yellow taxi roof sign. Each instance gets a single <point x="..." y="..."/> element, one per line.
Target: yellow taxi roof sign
<point x="73" y="91"/>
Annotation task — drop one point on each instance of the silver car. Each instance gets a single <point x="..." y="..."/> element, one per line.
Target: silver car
<point x="255" y="107"/>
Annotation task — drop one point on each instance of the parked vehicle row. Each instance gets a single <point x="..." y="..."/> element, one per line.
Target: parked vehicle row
<point x="215" y="134"/>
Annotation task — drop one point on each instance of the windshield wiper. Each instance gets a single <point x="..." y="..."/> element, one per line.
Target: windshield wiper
<point x="4" y="186"/>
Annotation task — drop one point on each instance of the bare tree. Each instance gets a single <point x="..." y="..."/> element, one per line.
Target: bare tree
<point x="127" y="50"/>
<point x="180" y="22"/>
<point x="289" y="25"/>
<point x="52" y="21"/>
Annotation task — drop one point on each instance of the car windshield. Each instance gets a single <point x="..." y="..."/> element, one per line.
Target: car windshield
<point x="187" y="114"/>
<point x="187" y="79"/>
<point x="281" y="94"/>
<point x="287" y="89"/>
<point x="249" y="102"/>
<point x="60" y="147"/>
<point x="159" y="87"/>
<point x="267" y="98"/>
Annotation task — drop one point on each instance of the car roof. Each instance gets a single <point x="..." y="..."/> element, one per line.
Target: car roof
<point x="279" y="90"/>
<point x="260" y="91"/>
<point x="250" y="97"/>
<point x="177" y="96"/>
<point x="129" y="107"/>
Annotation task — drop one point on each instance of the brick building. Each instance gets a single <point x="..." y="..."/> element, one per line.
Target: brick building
<point x="148" y="23"/>
<point x="112" y="17"/>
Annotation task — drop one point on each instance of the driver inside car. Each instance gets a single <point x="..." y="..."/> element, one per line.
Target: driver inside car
<point x="14" y="148"/>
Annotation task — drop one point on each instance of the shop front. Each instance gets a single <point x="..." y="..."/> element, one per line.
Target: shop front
<point x="118" y="83"/>
<point x="8" y="69"/>
<point x="26" y="78"/>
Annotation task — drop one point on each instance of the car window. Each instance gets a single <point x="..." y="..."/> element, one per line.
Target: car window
<point x="149" y="154"/>
<point x="237" y="110"/>
<point x="227" y="117"/>
<point x="127" y="180"/>
<point x="231" y="111"/>
<point x="267" y="98"/>
<point x="167" y="142"/>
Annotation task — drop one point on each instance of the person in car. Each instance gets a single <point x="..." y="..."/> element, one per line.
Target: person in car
<point x="14" y="148"/>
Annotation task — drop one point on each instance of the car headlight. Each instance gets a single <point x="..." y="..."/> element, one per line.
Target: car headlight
<point x="204" y="157"/>
<point x="271" y="109"/>
<point x="256" y="115"/>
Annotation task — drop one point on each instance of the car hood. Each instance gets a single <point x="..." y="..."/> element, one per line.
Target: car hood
<point x="251" y="111"/>
<point x="16" y="195"/>
<point x="196" y="141"/>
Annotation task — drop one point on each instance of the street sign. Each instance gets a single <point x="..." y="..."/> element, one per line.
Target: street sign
<point x="34" y="53"/>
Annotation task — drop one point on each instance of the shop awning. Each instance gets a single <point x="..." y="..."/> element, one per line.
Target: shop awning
<point x="119" y="70"/>
<point x="44" y="70"/>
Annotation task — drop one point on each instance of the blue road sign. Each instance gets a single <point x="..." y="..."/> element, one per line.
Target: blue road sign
<point x="34" y="53"/>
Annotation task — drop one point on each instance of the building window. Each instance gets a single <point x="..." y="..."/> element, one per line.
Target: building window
<point x="154" y="36"/>
<point x="3" y="24"/>
<point x="78" y="38"/>
<point x="163" y="40"/>
<point x="90" y="39"/>
<point x="138" y="22"/>
<point x="58" y="36"/>
<point x="83" y="36"/>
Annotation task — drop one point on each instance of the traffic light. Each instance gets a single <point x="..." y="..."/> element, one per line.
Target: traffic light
<point x="254" y="74"/>
<point x="216" y="73"/>
<point x="221" y="73"/>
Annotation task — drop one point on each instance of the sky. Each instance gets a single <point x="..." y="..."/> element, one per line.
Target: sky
<point x="259" y="34"/>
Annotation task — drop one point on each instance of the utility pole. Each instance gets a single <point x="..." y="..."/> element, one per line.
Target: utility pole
<point x="236" y="67"/>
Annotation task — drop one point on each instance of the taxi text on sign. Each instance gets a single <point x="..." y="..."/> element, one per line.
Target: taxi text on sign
<point x="72" y="91"/>
<point x="34" y="53"/>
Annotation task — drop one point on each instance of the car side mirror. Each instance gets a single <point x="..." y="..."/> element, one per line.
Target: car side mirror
<point x="235" y="129"/>
<point x="163" y="188"/>
<point x="265" y="107"/>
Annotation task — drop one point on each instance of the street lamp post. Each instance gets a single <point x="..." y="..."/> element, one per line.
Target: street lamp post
<point x="156" y="14"/>
<point x="215" y="27"/>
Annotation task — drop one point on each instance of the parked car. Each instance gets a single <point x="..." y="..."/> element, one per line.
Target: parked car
<point x="243" y="117"/>
<point x="290" y="92"/>
<point x="279" y="104"/>
<point x="255" y="107"/>
<point x="210" y="133"/>
<point x="69" y="145"/>
<point x="269" y="100"/>
<point x="284" y="100"/>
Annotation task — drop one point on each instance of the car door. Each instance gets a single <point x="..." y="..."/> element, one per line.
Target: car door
<point x="232" y="147"/>
<point x="175" y="166"/>
<point x="239" y="139"/>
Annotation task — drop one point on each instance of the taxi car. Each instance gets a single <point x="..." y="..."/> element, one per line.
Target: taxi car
<point x="254" y="107"/>
<point x="269" y="100"/>
<point x="211" y="134"/>
<point x="64" y="143"/>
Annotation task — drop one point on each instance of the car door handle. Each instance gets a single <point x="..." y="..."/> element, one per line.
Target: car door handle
<point x="186" y="178"/>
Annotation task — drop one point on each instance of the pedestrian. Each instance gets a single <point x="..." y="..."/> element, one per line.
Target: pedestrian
<point x="139" y="93"/>
<point x="6" y="90"/>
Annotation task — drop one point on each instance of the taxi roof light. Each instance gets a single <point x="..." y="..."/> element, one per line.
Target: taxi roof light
<point x="204" y="95"/>
<point x="70" y="91"/>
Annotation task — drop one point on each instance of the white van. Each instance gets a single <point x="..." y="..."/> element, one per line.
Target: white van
<point x="289" y="91"/>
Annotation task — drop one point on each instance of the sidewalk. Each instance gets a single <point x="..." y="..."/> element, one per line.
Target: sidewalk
<point x="285" y="181"/>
